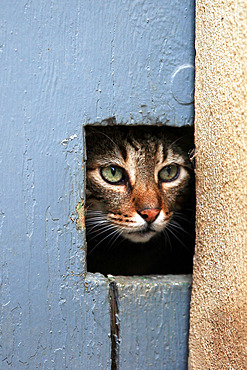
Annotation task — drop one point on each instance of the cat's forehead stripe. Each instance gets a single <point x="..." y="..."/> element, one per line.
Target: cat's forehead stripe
<point x="172" y="157"/>
<point x="160" y="153"/>
<point x="123" y="151"/>
<point x="164" y="152"/>
<point x="166" y="155"/>
<point x="130" y="141"/>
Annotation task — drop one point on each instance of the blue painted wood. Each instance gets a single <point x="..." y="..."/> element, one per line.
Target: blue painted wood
<point x="153" y="319"/>
<point x="64" y="64"/>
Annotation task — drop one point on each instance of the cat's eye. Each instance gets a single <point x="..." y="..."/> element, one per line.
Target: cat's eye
<point x="169" y="173"/>
<point x="112" y="174"/>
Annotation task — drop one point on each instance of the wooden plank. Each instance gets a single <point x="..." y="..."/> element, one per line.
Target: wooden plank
<point x="153" y="321"/>
<point x="68" y="328"/>
<point x="49" y="318"/>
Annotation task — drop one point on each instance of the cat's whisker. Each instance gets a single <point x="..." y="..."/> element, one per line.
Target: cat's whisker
<point x="118" y="234"/>
<point x="166" y="235"/>
<point x="96" y="219"/>
<point x="175" y="141"/>
<point x="96" y="224"/>
<point x="88" y="210"/>
<point x="176" y="216"/>
<point x="108" y="137"/>
<point x="169" y="228"/>
<point x="98" y="216"/>
<point x="184" y="214"/>
<point x="94" y="211"/>
<point x="89" y="217"/>
<point x="101" y="241"/>
<point x="188" y="209"/>
<point x="113" y="240"/>
<point x="176" y="225"/>
<point x="187" y="217"/>
<point x="113" y="244"/>
<point x="97" y="228"/>
<point x="102" y="230"/>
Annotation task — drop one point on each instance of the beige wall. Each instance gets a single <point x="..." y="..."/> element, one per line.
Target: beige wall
<point x="218" y="333"/>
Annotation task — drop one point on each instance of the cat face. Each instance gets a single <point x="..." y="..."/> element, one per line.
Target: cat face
<point x="136" y="178"/>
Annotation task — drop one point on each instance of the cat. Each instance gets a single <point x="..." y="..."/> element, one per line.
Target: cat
<point x="139" y="200"/>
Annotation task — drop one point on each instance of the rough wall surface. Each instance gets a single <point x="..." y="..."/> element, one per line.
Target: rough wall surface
<point x="218" y="333"/>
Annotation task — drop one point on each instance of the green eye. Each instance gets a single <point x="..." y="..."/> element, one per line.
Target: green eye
<point x="112" y="174"/>
<point x="169" y="173"/>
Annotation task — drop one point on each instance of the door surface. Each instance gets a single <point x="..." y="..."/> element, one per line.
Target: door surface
<point x="64" y="65"/>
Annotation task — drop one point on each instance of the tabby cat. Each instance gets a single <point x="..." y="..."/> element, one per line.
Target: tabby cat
<point x="140" y="200"/>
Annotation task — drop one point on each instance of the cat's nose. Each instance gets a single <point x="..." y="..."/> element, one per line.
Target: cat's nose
<point x="149" y="214"/>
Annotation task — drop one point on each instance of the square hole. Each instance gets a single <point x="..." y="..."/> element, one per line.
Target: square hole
<point x="140" y="199"/>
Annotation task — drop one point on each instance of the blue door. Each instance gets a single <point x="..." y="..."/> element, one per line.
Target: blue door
<point x="63" y="65"/>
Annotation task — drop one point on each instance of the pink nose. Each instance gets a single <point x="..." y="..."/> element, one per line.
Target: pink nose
<point x="149" y="214"/>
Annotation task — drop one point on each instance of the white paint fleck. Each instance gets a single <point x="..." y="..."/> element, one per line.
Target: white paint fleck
<point x="2" y="217"/>
<point x="68" y="139"/>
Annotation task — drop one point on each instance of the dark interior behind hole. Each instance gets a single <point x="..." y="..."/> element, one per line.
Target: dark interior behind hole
<point x="168" y="252"/>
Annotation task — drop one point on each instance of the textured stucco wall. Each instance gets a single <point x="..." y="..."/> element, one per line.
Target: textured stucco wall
<point x="218" y="332"/>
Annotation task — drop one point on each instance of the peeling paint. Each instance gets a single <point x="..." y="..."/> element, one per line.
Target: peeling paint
<point x="68" y="139"/>
<point x="81" y="216"/>
<point x="28" y="193"/>
<point x="2" y="217"/>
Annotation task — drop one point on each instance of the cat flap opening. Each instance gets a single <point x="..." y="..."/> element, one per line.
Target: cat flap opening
<point x="140" y="200"/>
